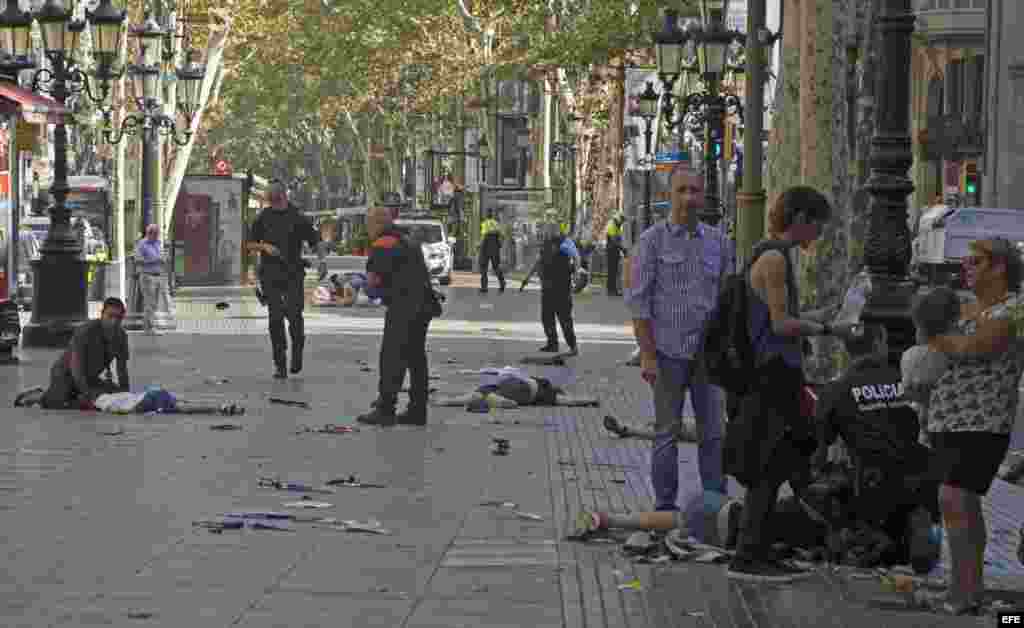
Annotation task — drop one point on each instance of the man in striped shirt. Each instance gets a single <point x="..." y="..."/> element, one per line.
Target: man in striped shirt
<point x="676" y="276"/>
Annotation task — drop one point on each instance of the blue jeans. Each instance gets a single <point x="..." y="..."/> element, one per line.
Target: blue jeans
<point x="675" y="377"/>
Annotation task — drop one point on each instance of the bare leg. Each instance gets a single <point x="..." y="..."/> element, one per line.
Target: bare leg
<point x="183" y="406"/>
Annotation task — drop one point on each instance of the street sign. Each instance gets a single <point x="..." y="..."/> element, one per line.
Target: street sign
<point x="222" y="168"/>
<point x="27" y="136"/>
<point x="666" y="161"/>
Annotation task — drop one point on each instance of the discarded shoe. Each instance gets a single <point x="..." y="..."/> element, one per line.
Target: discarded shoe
<point x="612" y="425"/>
<point x="499" y="446"/>
<point x="30" y="397"/>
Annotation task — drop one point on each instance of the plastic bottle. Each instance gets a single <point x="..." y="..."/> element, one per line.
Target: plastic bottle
<point x="855" y="300"/>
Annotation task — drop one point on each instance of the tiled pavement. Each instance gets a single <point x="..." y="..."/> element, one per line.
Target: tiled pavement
<point x="98" y="528"/>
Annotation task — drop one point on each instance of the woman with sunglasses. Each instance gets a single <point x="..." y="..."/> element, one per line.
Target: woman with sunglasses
<point x="972" y="410"/>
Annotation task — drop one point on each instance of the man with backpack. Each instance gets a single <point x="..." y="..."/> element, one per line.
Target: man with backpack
<point x="676" y="273"/>
<point x="753" y="346"/>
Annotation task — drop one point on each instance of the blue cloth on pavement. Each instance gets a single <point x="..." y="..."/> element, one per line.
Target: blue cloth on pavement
<point x="157" y="399"/>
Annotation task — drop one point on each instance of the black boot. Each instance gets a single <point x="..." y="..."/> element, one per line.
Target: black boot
<point x="549" y="348"/>
<point x="280" y="372"/>
<point x="382" y="414"/>
<point x="296" y="359"/>
<point x="415" y="414"/>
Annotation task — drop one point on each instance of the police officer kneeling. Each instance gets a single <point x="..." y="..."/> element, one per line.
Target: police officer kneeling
<point x="397" y="273"/>
<point x="866" y="406"/>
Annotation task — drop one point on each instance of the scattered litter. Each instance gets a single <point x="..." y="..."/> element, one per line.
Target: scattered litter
<point x="225" y="427"/>
<point x="497" y="503"/>
<point x="294" y="487"/>
<point x="270" y="525"/>
<point x="638" y="543"/>
<point x="328" y="429"/>
<point x="632" y="585"/>
<point x="217" y="381"/>
<point x="656" y="560"/>
<point x="694" y="613"/>
<point x="217" y="526"/>
<point x="529" y="516"/>
<point x="354" y="482"/>
<point x="366" y="369"/>
<point x="138" y="614"/>
<point x="499" y="446"/>
<point x="308" y="505"/>
<point x="222" y="305"/>
<point x="486" y="306"/>
<point x="370" y="527"/>
<point x="289" y="402"/>
<point x="258" y="514"/>
<point x="113" y="431"/>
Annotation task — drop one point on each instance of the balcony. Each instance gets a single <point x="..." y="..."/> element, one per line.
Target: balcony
<point x="954" y="23"/>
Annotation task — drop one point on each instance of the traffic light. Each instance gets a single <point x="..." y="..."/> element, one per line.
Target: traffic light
<point x="970" y="183"/>
<point x="728" y="151"/>
<point x="716" y="144"/>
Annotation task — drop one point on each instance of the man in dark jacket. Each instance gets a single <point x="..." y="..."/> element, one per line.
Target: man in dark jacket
<point x="75" y="380"/>
<point x="397" y="272"/>
<point x="555" y="267"/>
<point x="866" y="406"/>
<point x="277" y="235"/>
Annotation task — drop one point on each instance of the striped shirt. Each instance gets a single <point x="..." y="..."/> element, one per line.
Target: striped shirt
<point x="150" y="256"/>
<point x="675" y="282"/>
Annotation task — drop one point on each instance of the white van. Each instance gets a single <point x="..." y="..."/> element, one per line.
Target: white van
<point x="438" y="248"/>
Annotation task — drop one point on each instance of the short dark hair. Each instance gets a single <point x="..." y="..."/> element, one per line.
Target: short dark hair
<point x="114" y="302"/>
<point x="935" y="312"/>
<point x="798" y="202"/>
<point x="865" y="343"/>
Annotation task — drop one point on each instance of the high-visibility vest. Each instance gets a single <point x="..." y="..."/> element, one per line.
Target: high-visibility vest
<point x="489" y="226"/>
<point x="613" y="229"/>
<point x="563" y="228"/>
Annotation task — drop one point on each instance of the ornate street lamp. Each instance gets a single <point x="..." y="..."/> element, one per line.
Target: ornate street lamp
<point x="649" y="100"/>
<point x="151" y="123"/>
<point x="702" y="111"/>
<point x="59" y="300"/>
<point x="565" y="152"/>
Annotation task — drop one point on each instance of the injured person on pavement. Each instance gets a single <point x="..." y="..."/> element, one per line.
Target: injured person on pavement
<point x="512" y="388"/>
<point x="881" y="509"/>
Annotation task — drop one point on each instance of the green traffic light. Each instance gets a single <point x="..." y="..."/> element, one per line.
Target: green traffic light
<point x="972" y="188"/>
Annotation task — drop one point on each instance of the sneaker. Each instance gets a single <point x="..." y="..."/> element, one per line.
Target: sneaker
<point x="260" y="297"/>
<point x="296" y="362"/>
<point x="763" y="571"/>
<point x="549" y="349"/>
<point x="280" y="373"/>
<point x="612" y="425"/>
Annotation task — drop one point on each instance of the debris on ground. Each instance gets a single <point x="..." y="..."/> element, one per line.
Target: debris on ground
<point x="289" y="402"/>
<point x="217" y="381"/>
<point x="369" y="527"/>
<point x="497" y="503"/>
<point x="528" y="516"/>
<point x="222" y="305"/>
<point x="631" y="585"/>
<point x="113" y="431"/>
<point x="499" y="446"/>
<point x="139" y="614"/>
<point x="327" y="429"/>
<point x="354" y="482"/>
<point x="308" y="505"/>
<point x="225" y="427"/>
<point x="294" y="487"/>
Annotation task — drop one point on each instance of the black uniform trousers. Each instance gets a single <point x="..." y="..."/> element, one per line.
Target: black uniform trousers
<point x="614" y="254"/>
<point x="404" y="348"/>
<point x="557" y="303"/>
<point x="490" y="256"/>
<point x="63" y="392"/>
<point x="285" y="298"/>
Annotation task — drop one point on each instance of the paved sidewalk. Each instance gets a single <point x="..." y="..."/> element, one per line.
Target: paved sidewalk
<point x="98" y="528"/>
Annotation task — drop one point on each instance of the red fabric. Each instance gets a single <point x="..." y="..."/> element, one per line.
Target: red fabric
<point x="386" y="242"/>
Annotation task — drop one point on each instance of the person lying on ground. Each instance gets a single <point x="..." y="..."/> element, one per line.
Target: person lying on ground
<point x="75" y="380"/>
<point x="352" y="289"/>
<point x="511" y="387"/>
<point x="896" y="488"/>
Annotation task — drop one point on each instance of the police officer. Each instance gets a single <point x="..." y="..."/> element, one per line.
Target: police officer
<point x="866" y="406"/>
<point x="613" y="249"/>
<point x="397" y="272"/>
<point x="555" y="267"/>
<point x="277" y="235"/>
<point x="490" y="252"/>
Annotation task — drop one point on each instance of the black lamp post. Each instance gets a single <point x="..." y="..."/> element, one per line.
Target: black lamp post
<point x="482" y="148"/>
<point x="703" y="111"/>
<point x="887" y="250"/>
<point x="59" y="299"/>
<point x="649" y="100"/>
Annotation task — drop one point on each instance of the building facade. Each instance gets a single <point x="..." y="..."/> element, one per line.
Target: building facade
<point x="1004" y="154"/>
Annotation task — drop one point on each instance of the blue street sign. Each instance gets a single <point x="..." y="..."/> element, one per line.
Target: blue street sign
<point x="671" y="156"/>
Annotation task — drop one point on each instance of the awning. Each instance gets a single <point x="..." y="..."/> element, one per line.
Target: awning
<point x="36" y="109"/>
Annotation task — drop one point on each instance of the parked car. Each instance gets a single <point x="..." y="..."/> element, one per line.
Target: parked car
<point x="438" y="248"/>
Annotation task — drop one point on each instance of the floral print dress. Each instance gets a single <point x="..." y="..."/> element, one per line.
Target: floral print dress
<point x="980" y="394"/>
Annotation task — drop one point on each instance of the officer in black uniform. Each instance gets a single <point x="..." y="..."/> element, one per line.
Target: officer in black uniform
<point x="277" y="235"/>
<point x="397" y="272"/>
<point x="866" y="406"/>
<point x="555" y="267"/>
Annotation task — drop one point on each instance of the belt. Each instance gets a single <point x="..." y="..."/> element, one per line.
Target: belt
<point x="153" y="274"/>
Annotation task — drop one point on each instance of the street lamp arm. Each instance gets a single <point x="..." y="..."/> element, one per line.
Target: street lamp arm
<point x="129" y="126"/>
<point x="77" y="82"/>
<point x="167" y="127"/>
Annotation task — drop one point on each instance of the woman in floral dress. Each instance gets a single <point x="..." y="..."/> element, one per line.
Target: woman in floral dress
<point x="973" y="408"/>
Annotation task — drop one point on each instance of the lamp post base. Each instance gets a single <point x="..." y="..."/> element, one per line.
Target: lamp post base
<point x="59" y="302"/>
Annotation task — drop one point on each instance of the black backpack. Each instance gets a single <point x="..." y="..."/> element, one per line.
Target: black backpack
<point x="727" y="353"/>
